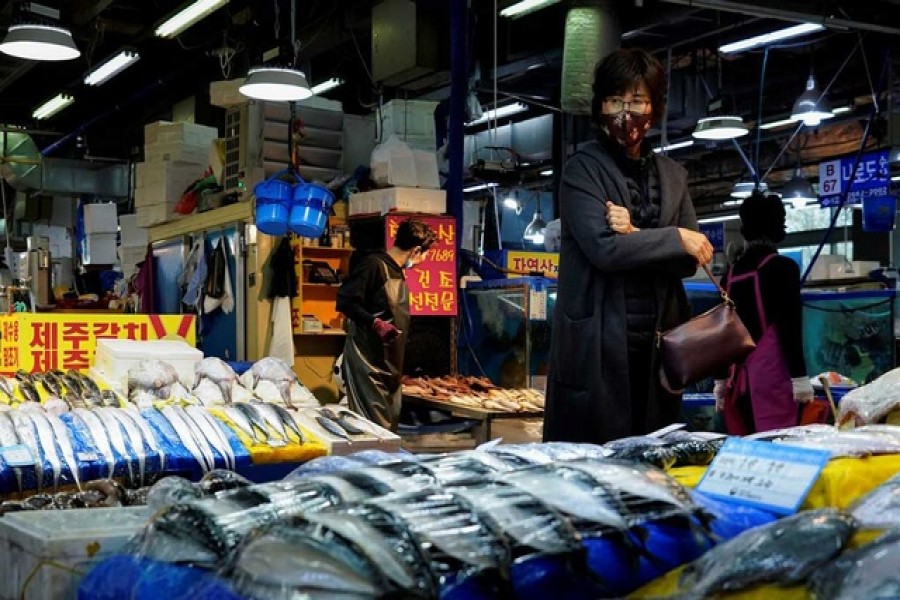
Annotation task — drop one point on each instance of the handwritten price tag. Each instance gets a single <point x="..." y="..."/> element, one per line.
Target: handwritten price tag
<point x="764" y="475"/>
<point x="17" y="456"/>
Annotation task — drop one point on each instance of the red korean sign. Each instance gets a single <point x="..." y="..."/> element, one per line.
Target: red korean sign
<point x="432" y="284"/>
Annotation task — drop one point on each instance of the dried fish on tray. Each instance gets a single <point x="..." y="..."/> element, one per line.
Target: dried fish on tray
<point x="474" y="392"/>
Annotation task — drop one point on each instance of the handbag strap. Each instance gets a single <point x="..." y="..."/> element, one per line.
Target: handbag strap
<point x="725" y="297"/>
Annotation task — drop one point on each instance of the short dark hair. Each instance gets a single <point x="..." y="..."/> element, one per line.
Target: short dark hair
<point x="628" y="67"/>
<point x="414" y="234"/>
<point x="762" y="217"/>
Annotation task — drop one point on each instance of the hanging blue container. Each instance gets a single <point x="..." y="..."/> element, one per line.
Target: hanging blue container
<point x="309" y="210"/>
<point x="273" y="204"/>
<point x="879" y="213"/>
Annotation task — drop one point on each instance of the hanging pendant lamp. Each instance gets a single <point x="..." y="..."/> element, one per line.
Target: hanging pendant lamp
<point x="39" y="42"/>
<point x="720" y="128"/>
<point x="534" y="232"/>
<point x="276" y="84"/>
<point x="743" y="189"/>
<point x="812" y="107"/>
<point x="798" y="191"/>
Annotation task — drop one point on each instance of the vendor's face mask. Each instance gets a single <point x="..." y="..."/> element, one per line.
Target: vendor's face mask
<point x="626" y="128"/>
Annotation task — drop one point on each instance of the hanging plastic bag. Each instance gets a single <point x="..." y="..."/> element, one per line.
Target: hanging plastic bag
<point x="215" y="279"/>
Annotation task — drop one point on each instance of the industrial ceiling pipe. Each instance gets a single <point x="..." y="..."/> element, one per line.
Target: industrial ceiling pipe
<point x="746" y="8"/>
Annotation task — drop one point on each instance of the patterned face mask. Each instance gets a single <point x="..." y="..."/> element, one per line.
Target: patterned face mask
<point x="626" y="128"/>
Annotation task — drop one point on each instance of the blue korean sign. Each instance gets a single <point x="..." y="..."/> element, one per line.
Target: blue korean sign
<point x="715" y="233"/>
<point x="872" y="178"/>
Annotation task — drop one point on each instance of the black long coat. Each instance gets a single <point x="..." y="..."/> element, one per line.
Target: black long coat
<point x="588" y="397"/>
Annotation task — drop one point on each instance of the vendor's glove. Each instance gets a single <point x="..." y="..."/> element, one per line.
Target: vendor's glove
<point x="719" y="388"/>
<point x="803" y="390"/>
<point x="386" y="331"/>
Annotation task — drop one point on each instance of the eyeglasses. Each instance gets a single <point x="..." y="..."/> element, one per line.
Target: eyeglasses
<point x="638" y="105"/>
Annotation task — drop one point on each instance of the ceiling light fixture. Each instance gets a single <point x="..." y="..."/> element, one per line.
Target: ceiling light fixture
<point x="812" y="106"/>
<point x="39" y="37"/>
<point x="187" y="16"/>
<point x="52" y="106"/>
<point x="895" y="178"/>
<point x="674" y="146"/>
<point x="520" y="9"/>
<point x="770" y="38"/>
<point x="326" y="86"/>
<point x="499" y="113"/>
<point x="777" y="124"/>
<point x="798" y="190"/>
<point x="546" y="173"/>
<point x="534" y="232"/>
<point x="112" y="67"/>
<point x="720" y="128"/>
<point x="720" y="219"/>
<point x="276" y="84"/>
<point x="479" y="187"/>
<point x="743" y="189"/>
<point x="841" y="110"/>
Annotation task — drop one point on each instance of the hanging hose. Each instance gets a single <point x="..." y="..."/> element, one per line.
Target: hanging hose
<point x="873" y="112"/>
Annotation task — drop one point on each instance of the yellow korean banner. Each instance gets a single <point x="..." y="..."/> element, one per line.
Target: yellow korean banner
<point x="37" y="342"/>
<point x="529" y="262"/>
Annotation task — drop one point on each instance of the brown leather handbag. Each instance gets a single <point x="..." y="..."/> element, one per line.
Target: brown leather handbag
<point x="701" y="347"/>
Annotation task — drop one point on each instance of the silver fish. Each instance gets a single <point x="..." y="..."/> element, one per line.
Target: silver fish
<point x="288" y="420"/>
<point x="209" y="393"/>
<point x="8" y="437"/>
<point x="65" y="446"/>
<point x="242" y="422"/>
<point x="29" y="392"/>
<point x="25" y="429"/>
<point x="345" y="424"/>
<point x="6" y="390"/>
<point x="86" y="381"/>
<point x="48" y="445"/>
<point x="148" y="434"/>
<point x="256" y="420"/>
<point x="116" y="439"/>
<point x="99" y="436"/>
<point x="135" y="439"/>
<point x="271" y="417"/>
<point x="211" y="429"/>
<point x="176" y="418"/>
<point x="361" y="423"/>
<point x="332" y="427"/>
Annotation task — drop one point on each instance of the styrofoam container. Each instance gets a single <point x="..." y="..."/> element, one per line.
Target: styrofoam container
<point x="131" y="235"/>
<point x="186" y="133"/>
<point x="401" y="199"/>
<point x="100" y="218"/>
<point x="114" y="357"/>
<point x="177" y="152"/>
<point x="47" y="553"/>
<point x="156" y="214"/>
<point x="414" y="118"/>
<point x="99" y="249"/>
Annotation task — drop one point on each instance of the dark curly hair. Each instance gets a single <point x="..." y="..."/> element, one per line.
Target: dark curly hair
<point x="624" y="69"/>
<point x="762" y="217"/>
<point x="414" y="234"/>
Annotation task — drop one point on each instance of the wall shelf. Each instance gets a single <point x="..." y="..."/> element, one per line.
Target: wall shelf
<point x="211" y="219"/>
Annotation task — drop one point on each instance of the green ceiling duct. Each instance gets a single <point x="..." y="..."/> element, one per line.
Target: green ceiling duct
<point x="592" y="32"/>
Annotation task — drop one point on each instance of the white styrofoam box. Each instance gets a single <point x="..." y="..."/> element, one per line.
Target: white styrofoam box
<point x="132" y="254"/>
<point x="402" y="199"/>
<point x="131" y="235"/>
<point x="408" y="118"/>
<point x="177" y="152"/>
<point x="426" y="169"/>
<point x="47" y="553"/>
<point x="226" y="93"/>
<point x="114" y="357"/>
<point x="156" y="214"/>
<point x="100" y="218"/>
<point x="173" y="173"/>
<point x="191" y="134"/>
<point x="99" y="249"/>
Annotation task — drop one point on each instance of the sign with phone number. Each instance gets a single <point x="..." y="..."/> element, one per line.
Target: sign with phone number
<point x="872" y="178"/>
<point x="432" y="284"/>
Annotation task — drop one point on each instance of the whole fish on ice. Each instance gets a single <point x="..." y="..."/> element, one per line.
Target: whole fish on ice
<point x="48" y="444"/>
<point x="241" y="421"/>
<point x="148" y="434"/>
<point x="116" y="439"/>
<point x="99" y="437"/>
<point x="276" y="371"/>
<point x="212" y="431"/>
<point x="197" y="446"/>
<point x="209" y="393"/>
<point x="8" y="437"/>
<point x="25" y="429"/>
<point x="61" y="433"/>
<point x="218" y="372"/>
<point x="154" y="376"/>
<point x="872" y="571"/>
<point x="135" y="438"/>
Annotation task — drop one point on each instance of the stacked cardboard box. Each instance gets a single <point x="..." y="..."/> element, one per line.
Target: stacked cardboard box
<point x="134" y="244"/>
<point x="100" y="230"/>
<point x="175" y="155"/>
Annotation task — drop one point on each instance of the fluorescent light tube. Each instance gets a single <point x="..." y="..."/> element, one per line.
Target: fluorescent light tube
<point x="479" y="187"/>
<point x="546" y="173"/>
<point x="112" y="67"/>
<point x="895" y="178"/>
<point x="520" y="9"/>
<point x="52" y="106"/>
<point x="841" y="110"/>
<point x="325" y="86"/>
<point x="718" y="219"/>
<point x="674" y="146"/>
<point x="776" y="124"/>
<point x="770" y="38"/>
<point x="188" y="16"/>
<point x="499" y="113"/>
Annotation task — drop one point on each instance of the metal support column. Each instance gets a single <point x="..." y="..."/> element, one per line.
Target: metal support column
<point x="459" y="82"/>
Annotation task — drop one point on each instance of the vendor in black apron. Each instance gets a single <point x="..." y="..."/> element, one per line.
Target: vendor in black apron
<point x="375" y="299"/>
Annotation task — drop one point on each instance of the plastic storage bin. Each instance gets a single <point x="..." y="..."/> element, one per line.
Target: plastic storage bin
<point x="114" y="357"/>
<point x="47" y="553"/>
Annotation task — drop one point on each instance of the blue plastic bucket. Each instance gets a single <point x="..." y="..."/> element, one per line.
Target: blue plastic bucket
<point x="273" y="202"/>
<point x="309" y="210"/>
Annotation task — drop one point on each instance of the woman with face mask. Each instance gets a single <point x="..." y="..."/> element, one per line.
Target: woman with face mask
<point x="628" y="238"/>
<point x="766" y="391"/>
<point x="375" y="300"/>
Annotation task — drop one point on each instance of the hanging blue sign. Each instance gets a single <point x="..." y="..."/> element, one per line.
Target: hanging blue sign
<point x="715" y="233"/>
<point x="872" y="178"/>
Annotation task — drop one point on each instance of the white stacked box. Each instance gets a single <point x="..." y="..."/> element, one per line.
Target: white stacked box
<point x="130" y="234"/>
<point x="114" y="357"/>
<point x="99" y="249"/>
<point x="100" y="218"/>
<point x="410" y="120"/>
<point x="401" y="199"/>
<point x="129" y="257"/>
<point x="175" y="155"/>
<point x="47" y="553"/>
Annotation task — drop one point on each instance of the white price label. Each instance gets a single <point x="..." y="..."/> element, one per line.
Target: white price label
<point x="769" y="476"/>
<point x="87" y="456"/>
<point x="17" y="456"/>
